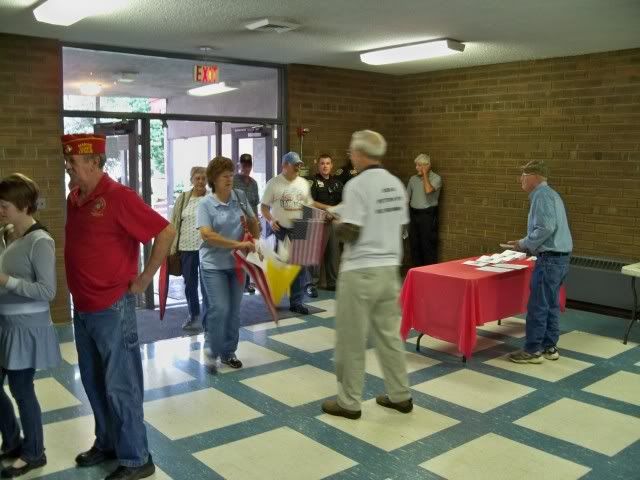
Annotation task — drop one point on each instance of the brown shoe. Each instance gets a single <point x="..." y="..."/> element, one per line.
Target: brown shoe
<point x="332" y="408"/>
<point x="405" y="406"/>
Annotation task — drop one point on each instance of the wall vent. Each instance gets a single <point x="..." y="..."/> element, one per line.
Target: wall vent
<point x="270" y="25"/>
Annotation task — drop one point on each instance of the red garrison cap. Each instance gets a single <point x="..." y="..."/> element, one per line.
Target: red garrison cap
<point x="83" y="144"/>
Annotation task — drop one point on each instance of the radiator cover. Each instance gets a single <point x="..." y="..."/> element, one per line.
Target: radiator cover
<point x="599" y="281"/>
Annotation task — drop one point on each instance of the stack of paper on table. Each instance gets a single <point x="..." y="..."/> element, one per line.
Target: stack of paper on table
<point x="498" y="262"/>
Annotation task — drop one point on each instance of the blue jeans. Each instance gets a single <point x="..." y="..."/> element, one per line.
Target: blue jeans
<point x="21" y="386"/>
<point x="302" y="279"/>
<point x="543" y="309"/>
<point x="190" y="263"/>
<point x="222" y="294"/>
<point x="111" y="372"/>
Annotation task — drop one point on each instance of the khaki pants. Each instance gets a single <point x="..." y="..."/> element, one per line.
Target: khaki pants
<point x="367" y="299"/>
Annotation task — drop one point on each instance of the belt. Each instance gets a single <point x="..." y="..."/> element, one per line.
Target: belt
<point x="23" y="308"/>
<point x="418" y="211"/>
<point x="553" y="254"/>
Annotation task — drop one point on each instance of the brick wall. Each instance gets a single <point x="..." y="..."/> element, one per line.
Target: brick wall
<point x="333" y="103"/>
<point x="580" y="114"/>
<point x="30" y="125"/>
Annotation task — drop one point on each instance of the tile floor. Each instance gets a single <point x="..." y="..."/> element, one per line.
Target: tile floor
<point x="578" y="417"/>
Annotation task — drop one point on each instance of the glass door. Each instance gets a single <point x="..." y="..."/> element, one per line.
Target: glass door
<point x="127" y="144"/>
<point x="122" y="151"/>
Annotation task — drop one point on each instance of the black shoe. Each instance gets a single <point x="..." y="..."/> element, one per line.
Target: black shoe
<point x="191" y="324"/>
<point x="133" y="473"/>
<point x="11" y="454"/>
<point x="301" y="309"/>
<point x="232" y="361"/>
<point x="405" y="406"/>
<point x="11" y="472"/>
<point x="312" y="291"/>
<point x="250" y="289"/>
<point x="94" y="456"/>
<point x="212" y="368"/>
<point x="331" y="407"/>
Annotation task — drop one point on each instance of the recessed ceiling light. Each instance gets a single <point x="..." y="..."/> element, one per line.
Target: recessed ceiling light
<point x="211" y="89"/>
<point x="414" y="51"/>
<point x="90" y="89"/>
<point x="68" y="12"/>
<point x="126" y="77"/>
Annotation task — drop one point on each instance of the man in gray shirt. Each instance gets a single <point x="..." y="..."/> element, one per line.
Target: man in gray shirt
<point x="249" y="186"/>
<point x="423" y="191"/>
<point x="244" y="182"/>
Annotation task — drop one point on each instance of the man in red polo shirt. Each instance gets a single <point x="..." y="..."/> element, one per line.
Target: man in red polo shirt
<point x="106" y="223"/>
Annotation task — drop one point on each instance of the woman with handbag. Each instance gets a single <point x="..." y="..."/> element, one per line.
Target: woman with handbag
<point x="28" y="340"/>
<point x="222" y="219"/>
<point x="184" y="257"/>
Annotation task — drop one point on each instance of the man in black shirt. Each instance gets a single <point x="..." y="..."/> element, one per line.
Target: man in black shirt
<point x="346" y="173"/>
<point x="326" y="189"/>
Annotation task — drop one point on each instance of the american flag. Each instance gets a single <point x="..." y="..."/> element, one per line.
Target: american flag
<point x="308" y="237"/>
<point x="257" y="275"/>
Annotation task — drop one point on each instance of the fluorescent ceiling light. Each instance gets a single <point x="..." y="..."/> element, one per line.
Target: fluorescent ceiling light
<point x="211" y="89"/>
<point x="90" y="89"/>
<point x="414" y="51"/>
<point x="67" y="12"/>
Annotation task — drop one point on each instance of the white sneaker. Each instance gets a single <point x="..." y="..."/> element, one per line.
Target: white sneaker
<point x="551" y="353"/>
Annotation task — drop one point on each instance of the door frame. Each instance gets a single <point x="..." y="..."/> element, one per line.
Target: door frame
<point x="138" y="127"/>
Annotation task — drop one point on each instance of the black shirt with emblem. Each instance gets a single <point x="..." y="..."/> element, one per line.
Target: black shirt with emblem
<point x="326" y="190"/>
<point x="346" y="173"/>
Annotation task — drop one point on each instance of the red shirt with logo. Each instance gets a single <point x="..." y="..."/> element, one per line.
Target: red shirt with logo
<point x="102" y="244"/>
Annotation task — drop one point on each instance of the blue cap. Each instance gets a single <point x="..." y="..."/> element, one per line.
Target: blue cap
<point x="292" y="158"/>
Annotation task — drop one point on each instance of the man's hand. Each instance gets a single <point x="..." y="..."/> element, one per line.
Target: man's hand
<point x="515" y="245"/>
<point x="426" y="169"/>
<point x="275" y="226"/>
<point x="140" y="284"/>
<point x="3" y="280"/>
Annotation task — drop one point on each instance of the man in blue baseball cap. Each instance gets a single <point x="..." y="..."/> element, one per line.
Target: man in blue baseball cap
<point x="281" y="204"/>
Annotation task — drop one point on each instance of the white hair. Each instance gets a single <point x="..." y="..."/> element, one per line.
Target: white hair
<point x="423" y="159"/>
<point x="369" y="142"/>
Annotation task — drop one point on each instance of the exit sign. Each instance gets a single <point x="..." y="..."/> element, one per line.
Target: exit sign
<point x="205" y="73"/>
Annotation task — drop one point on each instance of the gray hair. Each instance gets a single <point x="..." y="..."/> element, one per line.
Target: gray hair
<point x="370" y="143"/>
<point x="198" y="170"/>
<point x="423" y="159"/>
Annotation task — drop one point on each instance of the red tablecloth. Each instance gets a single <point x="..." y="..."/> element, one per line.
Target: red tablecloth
<point x="448" y="300"/>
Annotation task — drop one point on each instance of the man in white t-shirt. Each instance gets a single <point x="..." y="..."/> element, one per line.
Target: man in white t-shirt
<point x="281" y="204"/>
<point x="372" y="215"/>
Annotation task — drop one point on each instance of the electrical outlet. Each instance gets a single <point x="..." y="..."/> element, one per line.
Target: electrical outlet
<point x="41" y="203"/>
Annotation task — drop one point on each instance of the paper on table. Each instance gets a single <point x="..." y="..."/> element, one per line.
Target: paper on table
<point x="494" y="269"/>
<point x="475" y="264"/>
<point x="514" y="253"/>
<point x="510" y="266"/>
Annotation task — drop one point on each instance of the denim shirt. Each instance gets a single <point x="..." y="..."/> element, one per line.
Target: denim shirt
<point x="547" y="225"/>
<point x="224" y="219"/>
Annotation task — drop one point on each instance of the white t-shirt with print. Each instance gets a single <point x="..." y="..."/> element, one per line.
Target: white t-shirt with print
<point x="286" y="198"/>
<point x="375" y="201"/>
